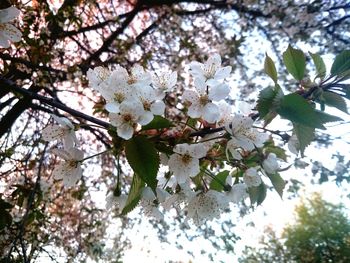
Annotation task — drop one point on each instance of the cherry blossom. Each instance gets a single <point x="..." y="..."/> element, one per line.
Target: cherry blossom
<point x="211" y="71"/>
<point x="237" y="192"/>
<point x="149" y="204"/>
<point x="118" y="202"/>
<point x="8" y="32"/>
<point x="270" y="164"/>
<point x="184" y="163"/>
<point x="64" y="131"/>
<point x="164" y="82"/>
<point x="251" y="177"/>
<point x="201" y="98"/>
<point x="131" y="114"/>
<point x="243" y="135"/>
<point x="206" y="206"/>
<point x="69" y="170"/>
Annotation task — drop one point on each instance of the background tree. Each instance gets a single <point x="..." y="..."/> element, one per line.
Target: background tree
<point x="320" y="233"/>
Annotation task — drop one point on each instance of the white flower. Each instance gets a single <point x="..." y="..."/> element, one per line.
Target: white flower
<point x="225" y="111"/>
<point x="211" y="71"/>
<point x="243" y="135"/>
<point x="237" y="192"/>
<point x="180" y="198"/>
<point x="270" y="164"/>
<point x="97" y="76"/>
<point x="147" y="95"/>
<point x="64" y="131"/>
<point x="118" y="202"/>
<point x="251" y="177"/>
<point x="184" y="163"/>
<point x="206" y="206"/>
<point x="164" y="82"/>
<point x="201" y="98"/>
<point x="149" y="204"/>
<point x="70" y="169"/>
<point x="131" y="113"/>
<point x="8" y="32"/>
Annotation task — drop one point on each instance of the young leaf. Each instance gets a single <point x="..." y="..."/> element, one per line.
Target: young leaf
<point x="304" y="134"/>
<point x="220" y="177"/>
<point x="158" y="122"/>
<point x="143" y="159"/>
<point x="296" y="109"/>
<point x="277" y="182"/>
<point x="134" y="194"/>
<point x="341" y="63"/>
<point x="270" y="69"/>
<point x="257" y="194"/>
<point x="319" y="64"/>
<point x="269" y="99"/>
<point x="325" y="117"/>
<point x="295" y="62"/>
<point x="335" y="100"/>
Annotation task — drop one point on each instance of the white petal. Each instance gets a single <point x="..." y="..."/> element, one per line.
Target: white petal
<point x="197" y="150"/>
<point x="125" y="131"/>
<point x="145" y="118"/>
<point x="200" y="85"/>
<point x="8" y="14"/>
<point x="76" y="154"/>
<point x="112" y="107"/>
<point x="52" y="132"/>
<point x="214" y="59"/>
<point x="211" y="113"/>
<point x="158" y="107"/>
<point x="229" y="180"/>
<point x="62" y="153"/>
<point x="148" y="194"/>
<point x="11" y="32"/>
<point x="196" y="69"/>
<point x="219" y="92"/>
<point x="72" y="177"/>
<point x="3" y="41"/>
<point x="162" y="195"/>
<point x="190" y="96"/>
<point x="223" y="73"/>
<point x="60" y="171"/>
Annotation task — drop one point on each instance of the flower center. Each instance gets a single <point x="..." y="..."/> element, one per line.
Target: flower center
<point x="203" y="100"/>
<point x="119" y="97"/>
<point x="209" y="71"/>
<point x="186" y="158"/>
<point x="127" y="117"/>
<point x="132" y="80"/>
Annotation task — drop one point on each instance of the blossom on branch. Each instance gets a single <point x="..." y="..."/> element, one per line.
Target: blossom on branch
<point x="184" y="163"/>
<point x="251" y="177"/>
<point x="69" y="170"/>
<point x="201" y="100"/>
<point x="64" y="131"/>
<point x="211" y="71"/>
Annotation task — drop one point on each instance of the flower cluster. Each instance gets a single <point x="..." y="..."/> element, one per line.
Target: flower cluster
<point x="131" y="99"/>
<point x="190" y="156"/>
<point x="69" y="171"/>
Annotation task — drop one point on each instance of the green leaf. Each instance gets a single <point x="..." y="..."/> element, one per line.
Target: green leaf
<point x="295" y="62"/>
<point x="220" y="177"/>
<point x="270" y="69"/>
<point x="335" y="100"/>
<point x="325" y="117"/>
<point x="305" y="135"/>
<point x="269" y="99"/>
<point x="341" y="63"/>
<point x="257" y="194"/>
<point x="143" y="159"/>
<point x="319" y="64"/>
<point x="277" y="182"/>
<point x="134" y="194"/>
<point x="158" y="122"/>
<point x="296" y="109"/>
